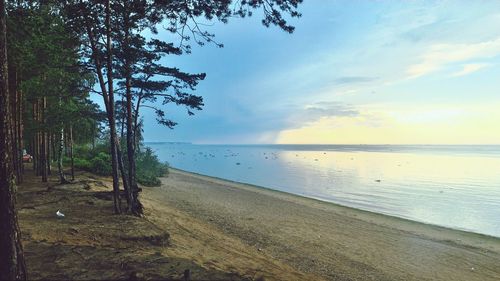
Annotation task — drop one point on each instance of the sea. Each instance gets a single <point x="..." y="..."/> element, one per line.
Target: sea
<point x="455" y="186"/>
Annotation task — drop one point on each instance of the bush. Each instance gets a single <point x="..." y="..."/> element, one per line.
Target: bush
<point x="149" y="168"/>
<point x="101" y="164"/>
<point x="82" y="164"/>
<point x="98" y="161"/>
<point x="148" y="180"/>
<point x="86" y="151"/>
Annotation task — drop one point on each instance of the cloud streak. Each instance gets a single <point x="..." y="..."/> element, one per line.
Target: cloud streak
<point x="329" y="109"/>
<point x="470" y="68"/>
<point x="311" y="113"/>
<point x="354" y="80"/>
<point x="440" y="55"/>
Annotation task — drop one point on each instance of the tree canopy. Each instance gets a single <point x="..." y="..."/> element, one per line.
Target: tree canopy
<point x="55" y="54"/>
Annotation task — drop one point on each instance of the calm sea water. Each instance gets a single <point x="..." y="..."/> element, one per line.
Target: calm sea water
<point x="452" y="186"/>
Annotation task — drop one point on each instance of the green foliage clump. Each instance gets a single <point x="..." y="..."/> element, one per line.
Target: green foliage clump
<point x="80" y="163"/>
<point x="149" y="168"/>
<point x="96" y="160"/>
<point x="101" y="164"/>
<point x="87" y="152"/>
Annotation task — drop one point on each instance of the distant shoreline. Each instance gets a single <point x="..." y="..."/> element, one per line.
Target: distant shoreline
<point x="318" y="144"/>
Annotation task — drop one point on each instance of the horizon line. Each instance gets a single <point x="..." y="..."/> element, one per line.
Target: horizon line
<point x="357" y="144"/>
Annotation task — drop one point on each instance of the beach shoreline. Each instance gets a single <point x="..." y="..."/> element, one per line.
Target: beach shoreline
<point x="333" y="241"/>
<point x="223" y="230"/>
<point x="449" y="187"/>
<point x="336" y="205"/>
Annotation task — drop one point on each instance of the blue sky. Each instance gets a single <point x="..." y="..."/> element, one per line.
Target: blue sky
<point x="353" y="72"/>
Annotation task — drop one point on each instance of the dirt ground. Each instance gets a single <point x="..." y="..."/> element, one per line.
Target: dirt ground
<point x="91" y="243"/>
<point x="220" y="230"/>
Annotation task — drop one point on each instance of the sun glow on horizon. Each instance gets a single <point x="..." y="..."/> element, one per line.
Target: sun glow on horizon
<point x="452" y="125"/>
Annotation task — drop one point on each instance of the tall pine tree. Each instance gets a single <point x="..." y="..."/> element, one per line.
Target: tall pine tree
<point x="12" y="264"/>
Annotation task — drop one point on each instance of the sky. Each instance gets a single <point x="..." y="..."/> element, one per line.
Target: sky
<point x="353" y="72"/>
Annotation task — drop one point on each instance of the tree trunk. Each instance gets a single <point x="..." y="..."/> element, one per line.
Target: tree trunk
<point x="136" y="123"/>
<point x="122" y="128"/>
<point x="44" y="142"/>
<point x="34" y="143"/>
<point x="66" y="144"/>
<point x="62" y="177"/>
<point x="39" y="126"/>
<point x="134" y="205"/>
<point x="49" y="153"/>
<point x="53" y="148"/>
<point x="12" y="265"/>
<point x="13" y="122"/>
<point x="71" y="152"/>
<point x="123" y="173"/>
<point x="108" y="98"/>
<point x="37" y="137"/>
<point x="111" y="112"/>
<point x="20" y="133"/>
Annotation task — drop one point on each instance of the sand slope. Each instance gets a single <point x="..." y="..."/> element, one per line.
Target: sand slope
<point x="221" y="230"/>
<point x="91" y="243"/>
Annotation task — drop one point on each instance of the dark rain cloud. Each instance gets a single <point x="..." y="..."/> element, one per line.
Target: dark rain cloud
<point x="329" y="109"/>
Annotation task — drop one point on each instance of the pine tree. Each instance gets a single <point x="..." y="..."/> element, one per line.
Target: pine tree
<point x="114" y="48"/>
<point x="12" y="265"/>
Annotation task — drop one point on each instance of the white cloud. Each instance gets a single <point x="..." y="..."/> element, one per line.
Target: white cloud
<point x="470" y="68"/>
<point x="440" y="55"/>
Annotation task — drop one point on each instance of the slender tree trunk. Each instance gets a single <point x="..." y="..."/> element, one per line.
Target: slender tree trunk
<point x="53" y="142"/>
<point x="62" y="177"/>
<point x="39" y="129"/>
<point x="44" y="141"/>
<point x="33" y="152"/>
<point x="20" y="133"/>
<point x="122" y="127"/>
<point x="49" y="152"/>
<point x="134" y="205"/>
<point x="108" y="98"/>
<point x="34" y="140"/>
<point x="66" y="144"/>
<point x="71" y="152"/>
<point x="13" y="121"/>
<point x="12" y="265"/>
<point x="111" y="112"/>
<point x="123" y="173"/>
<point x="38" y="140"/>
<point x="136" y="123"/>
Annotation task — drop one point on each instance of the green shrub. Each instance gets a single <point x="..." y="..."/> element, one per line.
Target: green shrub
<point x="83" y="164"/>
<point x="101" y="164"/>
<point x="86" y="151"/>
<point x="148" y="180"/>
<point x="98" y="161"/>
<point x="149" y="168"/>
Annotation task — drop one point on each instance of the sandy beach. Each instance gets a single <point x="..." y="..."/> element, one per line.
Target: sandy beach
<point x="332" y="241"/>
<point x="221" y="230"/>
